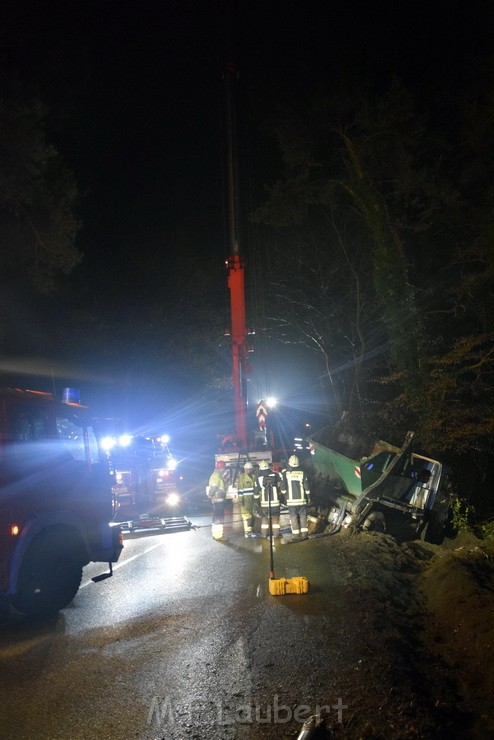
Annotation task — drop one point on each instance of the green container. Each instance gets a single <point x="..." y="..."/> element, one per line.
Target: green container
<point x="331" y="464"/>
<point x="355" y="475"/>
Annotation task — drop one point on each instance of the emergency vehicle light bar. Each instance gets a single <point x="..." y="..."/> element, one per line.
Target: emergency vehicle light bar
<point x="71" y="395"/>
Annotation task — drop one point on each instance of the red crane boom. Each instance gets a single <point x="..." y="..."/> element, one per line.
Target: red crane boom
<point x="236" y="283"/>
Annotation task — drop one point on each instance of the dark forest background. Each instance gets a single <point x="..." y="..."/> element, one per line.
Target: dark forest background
<point x="367" y="181"/>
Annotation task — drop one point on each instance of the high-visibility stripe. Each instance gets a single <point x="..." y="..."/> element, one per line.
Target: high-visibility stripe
<point x="296" y="494"/>
<point x="217" y="531"/>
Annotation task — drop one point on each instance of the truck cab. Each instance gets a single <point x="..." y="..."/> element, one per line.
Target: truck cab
<point x="386" y="489"/>
<point x="55" y="501"/>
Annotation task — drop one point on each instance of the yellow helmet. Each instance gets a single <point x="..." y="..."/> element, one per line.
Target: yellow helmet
<point x="264" y="465"/>
<point x="293" y="461"/>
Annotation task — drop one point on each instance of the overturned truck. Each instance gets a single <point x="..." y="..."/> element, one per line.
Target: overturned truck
<point x="377" y="486"/>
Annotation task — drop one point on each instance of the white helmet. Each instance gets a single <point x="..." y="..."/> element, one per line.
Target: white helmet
<point x="293" y="461"/>
<point x="264" y="465"/>
<point x="248" y="466"/>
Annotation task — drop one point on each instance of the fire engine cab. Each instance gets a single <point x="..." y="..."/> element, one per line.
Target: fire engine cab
<point x="55" y="501"/>
<point x="146" y="484"/>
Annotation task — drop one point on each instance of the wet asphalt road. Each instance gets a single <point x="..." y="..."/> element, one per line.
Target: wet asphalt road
<point x="183" y="642"/>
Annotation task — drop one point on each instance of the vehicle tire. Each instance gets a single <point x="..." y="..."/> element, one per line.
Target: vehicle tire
<point x="375" y="522"/>
<point x="49" y="578"/>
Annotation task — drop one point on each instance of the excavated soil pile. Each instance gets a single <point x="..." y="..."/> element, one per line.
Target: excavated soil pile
<point x="425" y="617"/>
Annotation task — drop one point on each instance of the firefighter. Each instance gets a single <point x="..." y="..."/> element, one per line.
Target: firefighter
<point x="269" y="486"/>
<point x="296" y="491"/>
<point x="217" y="490"/>
<point x="248" y="495"/>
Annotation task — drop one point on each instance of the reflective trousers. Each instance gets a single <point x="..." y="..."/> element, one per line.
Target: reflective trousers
<point x="248" y="509"/>
<point x="298" y="519"/>
<point x="275" y="521"/>
<point x="218" y="519"/>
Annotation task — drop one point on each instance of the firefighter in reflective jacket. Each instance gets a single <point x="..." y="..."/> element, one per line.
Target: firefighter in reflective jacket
<point x="248" y="495"/>
<point x="217" y="490"/>
<point x="269" y="483"/>
<point x="296" y="492"/>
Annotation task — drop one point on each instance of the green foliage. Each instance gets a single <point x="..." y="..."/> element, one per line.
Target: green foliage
<point x="462" y="513"/>
<point x="487" y="530"/>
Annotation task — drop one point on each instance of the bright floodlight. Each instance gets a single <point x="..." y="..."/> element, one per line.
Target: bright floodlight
<point x="172" y="463"/>
<point x="271" y="402"/>
<point x="125" y="440"/>
<point x="107" y="443"/>
<point x="164" y="438"/>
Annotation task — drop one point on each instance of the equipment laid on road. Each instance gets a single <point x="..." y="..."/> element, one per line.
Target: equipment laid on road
<point x="147" y="523"/>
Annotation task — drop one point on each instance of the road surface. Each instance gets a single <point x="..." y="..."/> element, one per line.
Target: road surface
<point x="183" y="641"/>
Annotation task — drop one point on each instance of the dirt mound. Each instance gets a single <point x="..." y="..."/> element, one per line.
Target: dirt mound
<point x="458" y="585"/>
<point x="426" y="613"/>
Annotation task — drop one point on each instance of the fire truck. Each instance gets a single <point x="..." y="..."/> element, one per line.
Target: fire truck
<point x="145" y="483"/>
<point x="55" y="501"/>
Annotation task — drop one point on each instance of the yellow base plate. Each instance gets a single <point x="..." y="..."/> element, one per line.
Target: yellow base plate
<point x="281" y="586"/>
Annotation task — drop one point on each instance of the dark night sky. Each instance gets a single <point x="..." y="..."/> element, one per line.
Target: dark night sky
<point x="135" y="93"/>
<point x="136" y="86"/>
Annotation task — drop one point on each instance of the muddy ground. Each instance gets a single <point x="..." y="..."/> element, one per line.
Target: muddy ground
<point x="424" y="616"/>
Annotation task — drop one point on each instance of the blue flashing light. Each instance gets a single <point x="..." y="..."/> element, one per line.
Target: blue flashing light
<point x="71" y="395"/>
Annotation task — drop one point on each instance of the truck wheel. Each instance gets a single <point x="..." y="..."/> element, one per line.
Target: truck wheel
<point x="375" y="522"/>
<point x="48" y="580"/>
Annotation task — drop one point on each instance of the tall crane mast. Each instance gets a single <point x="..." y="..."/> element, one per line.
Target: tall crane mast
<point x="236" y="272"/>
